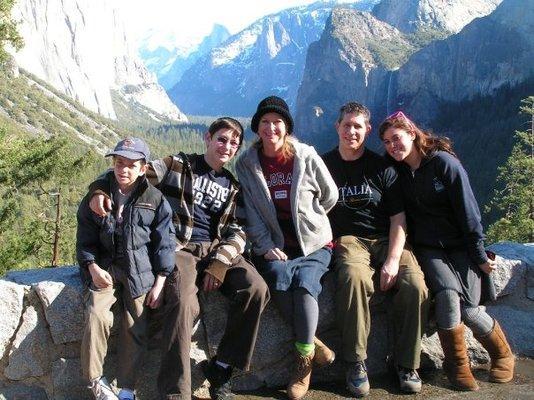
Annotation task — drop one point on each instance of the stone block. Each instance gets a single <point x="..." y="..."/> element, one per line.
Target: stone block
<point x="23" y="392"/>
<point x="63" y="308"/>
<point x="29" y="355"/>
<point x="11" y="304"/>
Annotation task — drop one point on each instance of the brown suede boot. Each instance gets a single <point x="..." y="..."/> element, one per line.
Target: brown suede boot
<point x="502" y="358"/>
<point x="300" y="381"/>
<point x="456" y="364"/>
<point x="323" y="355"/>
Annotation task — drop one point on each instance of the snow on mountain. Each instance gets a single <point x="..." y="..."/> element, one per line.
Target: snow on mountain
<point x="266" y="58"/>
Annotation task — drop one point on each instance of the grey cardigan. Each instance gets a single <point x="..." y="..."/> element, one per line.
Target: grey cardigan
<point x="313" y="194"/>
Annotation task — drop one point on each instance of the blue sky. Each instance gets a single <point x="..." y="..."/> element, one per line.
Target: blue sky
<point x="192" y="20"/>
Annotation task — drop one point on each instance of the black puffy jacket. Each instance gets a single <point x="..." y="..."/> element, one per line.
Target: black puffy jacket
<point x="148" y="237"/>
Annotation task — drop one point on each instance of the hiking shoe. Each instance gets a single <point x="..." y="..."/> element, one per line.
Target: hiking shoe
<point x="409" y="380"/>
<point x="323" y="354"/>
<point x="102" y="390"/>
<point x="300" y="379"/>
<point x="356" y="378"/>
<point x="219" y="379"/>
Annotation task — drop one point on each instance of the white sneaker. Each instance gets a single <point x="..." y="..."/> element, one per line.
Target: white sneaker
<point x="102" y="390"/>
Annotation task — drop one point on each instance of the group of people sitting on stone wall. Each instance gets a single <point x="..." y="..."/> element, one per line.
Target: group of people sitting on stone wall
<point x="152" y="233"/>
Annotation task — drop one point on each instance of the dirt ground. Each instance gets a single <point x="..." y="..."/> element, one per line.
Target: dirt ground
<point x="435" y="386"/>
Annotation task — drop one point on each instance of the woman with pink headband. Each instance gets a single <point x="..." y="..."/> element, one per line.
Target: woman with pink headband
<point x="444" y="227"/>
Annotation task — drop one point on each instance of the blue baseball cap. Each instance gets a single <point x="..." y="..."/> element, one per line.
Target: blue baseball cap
<point x="131" y="148"/>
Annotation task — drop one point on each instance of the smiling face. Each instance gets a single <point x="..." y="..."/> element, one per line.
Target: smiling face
<point x="272" y="130"/>
<point x="221" y="147"/>
<point x="398" y="143"/>
<point x="352" y="131"/>
<point x="127" y="171"/>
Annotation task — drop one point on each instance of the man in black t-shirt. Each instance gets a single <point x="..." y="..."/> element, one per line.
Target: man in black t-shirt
<point x="369" y="228"/>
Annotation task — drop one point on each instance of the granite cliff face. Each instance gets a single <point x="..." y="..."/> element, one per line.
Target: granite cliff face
<point x="82" y="49"/>
<point x="488" y="54"/>
<point x="266" y="58"/>
<point x="352" y="60"/>
<point x="450" y="16"/>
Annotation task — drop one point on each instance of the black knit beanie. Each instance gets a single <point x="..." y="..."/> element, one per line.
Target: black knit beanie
<point x="272" y="104"/>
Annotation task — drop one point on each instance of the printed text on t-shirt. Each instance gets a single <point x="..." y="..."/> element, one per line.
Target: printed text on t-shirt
<point x="208" y="194"/>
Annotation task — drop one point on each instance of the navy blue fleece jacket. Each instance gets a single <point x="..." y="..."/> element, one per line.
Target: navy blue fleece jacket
<point x="441" y="208"/>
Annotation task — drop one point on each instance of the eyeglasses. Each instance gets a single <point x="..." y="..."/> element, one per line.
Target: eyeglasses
<point x="223" y="141"/>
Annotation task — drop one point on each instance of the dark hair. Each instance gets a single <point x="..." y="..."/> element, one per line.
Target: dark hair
<point x="354" y="108"/>
<point x="425" y="142"/>
<point x="227" y="123"/>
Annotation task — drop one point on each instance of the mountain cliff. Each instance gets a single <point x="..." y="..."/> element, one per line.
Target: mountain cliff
<point x="450" y="16"/>
<point x="82" y="49"/>
<point x="469" y="86"/>
<point x="352" y="60"/>
<point x="169" y="61"/>
<point x="486" y="55"/>
<point x="266" y="58"/>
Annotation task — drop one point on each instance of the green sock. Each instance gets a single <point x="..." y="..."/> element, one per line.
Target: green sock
<point x="305" y="348"/>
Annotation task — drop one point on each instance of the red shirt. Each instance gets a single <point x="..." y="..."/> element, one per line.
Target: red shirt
<point x="278" y="174"/>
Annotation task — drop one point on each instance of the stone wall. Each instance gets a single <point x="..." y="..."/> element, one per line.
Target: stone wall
<point x="41" y="316"/>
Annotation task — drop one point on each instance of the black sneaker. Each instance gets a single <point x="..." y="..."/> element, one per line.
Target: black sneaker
<point x="219" y="379"/>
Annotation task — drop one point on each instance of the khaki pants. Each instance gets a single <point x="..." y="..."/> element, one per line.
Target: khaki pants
<point x="132" y="342"/>
<point x="355" y="261"/>
<point x="248" y="295"/>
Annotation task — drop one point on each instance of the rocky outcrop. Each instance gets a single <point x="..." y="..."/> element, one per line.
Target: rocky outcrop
<point x="449" y="16"/>
<point x="82" y="49"/>
<point x="266" y="58"/>
<point x="40" y="332"/>
<point x="351" y="61"/>
<point x="486" y="55"/>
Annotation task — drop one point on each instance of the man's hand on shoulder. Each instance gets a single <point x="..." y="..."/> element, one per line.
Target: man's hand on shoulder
<point x="100" y="204"/>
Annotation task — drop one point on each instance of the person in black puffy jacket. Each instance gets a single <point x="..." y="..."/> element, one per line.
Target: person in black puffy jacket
<point x="124" y="256"/>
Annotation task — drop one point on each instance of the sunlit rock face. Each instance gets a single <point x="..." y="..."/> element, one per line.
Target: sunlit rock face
<point x="82" y="49"/>
<point x="450" y="16"/>
<point x="266" y="58"/>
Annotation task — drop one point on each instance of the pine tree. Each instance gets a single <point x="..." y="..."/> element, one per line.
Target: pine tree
<point x="31" y="170"/>
<point x="515" y="201"/>
<point x="8" y="29"/>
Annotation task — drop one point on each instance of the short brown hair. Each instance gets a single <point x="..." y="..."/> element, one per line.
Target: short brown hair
<point x="354" y="108"/>
<point x="227" y="123"/>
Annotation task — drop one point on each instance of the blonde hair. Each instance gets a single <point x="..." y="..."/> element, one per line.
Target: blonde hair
<point x="287" y="150"/>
